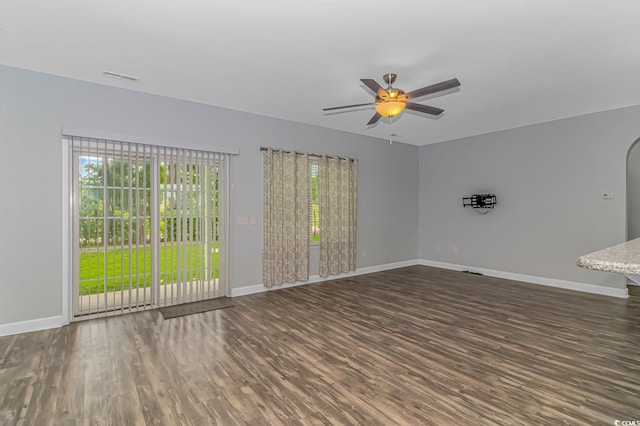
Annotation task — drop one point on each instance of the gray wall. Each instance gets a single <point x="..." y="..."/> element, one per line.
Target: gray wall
<point x="548" y="178"/>
<point x="633" y="193"/>
<point x="35" y="106"/>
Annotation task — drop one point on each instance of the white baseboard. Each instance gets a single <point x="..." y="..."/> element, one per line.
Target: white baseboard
<point x="259" y="288"/>
<point x="31" y="325"/>
<point x="569" y="285"/>
<point x="58" y="321"/>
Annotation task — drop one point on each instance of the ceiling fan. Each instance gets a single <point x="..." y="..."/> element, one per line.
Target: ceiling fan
<point x="390" y="102"/>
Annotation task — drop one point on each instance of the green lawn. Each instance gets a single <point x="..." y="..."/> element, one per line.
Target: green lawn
<point x="92" y="268"/>
<point x="315" y="221"/>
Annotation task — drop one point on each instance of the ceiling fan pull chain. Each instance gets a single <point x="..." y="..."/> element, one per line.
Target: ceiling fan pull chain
<point x="390" y="140"/>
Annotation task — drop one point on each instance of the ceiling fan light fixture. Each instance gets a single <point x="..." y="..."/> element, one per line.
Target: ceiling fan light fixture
<point x="390" y="102"/>
<point x="390" y="108"/>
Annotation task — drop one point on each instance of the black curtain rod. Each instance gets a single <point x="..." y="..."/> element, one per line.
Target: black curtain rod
<point x="262" y="148"/>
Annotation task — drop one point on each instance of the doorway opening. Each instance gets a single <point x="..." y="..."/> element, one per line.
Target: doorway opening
<point x="149" y="226"/>
<point x="633" y="191"/>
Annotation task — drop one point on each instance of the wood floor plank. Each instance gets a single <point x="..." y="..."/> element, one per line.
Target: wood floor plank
<point x="416" y="345"/>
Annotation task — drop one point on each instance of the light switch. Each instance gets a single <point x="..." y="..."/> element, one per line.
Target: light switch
<point x="607" y="196"/>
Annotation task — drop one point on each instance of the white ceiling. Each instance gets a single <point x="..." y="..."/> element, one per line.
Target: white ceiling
<point x="519" y="61"/>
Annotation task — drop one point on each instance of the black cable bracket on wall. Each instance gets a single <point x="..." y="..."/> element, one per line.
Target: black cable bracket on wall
<point x="481" y="203"/>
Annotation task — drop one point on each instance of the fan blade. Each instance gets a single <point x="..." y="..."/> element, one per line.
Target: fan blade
<point x="347" y="106"/>
<point x="374" y="119"/>
<point x="424" y="108"/>
<point x="434" y="88"/>
<point x="373" y="85"/>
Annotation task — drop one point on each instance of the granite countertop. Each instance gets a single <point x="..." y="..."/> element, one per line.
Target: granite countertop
<point x="623" y="258"/>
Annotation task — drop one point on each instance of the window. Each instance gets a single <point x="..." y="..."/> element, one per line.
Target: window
<point x="307" y="199"/>
<point x="314" y="204"/>
<point x="148" y="226"/>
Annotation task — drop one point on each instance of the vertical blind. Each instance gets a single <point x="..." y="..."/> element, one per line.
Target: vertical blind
<point x="149" y="225"/>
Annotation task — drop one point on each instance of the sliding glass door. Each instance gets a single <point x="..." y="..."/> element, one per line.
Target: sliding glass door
<point x="190" y="228"/>
<point x="149" y="226"/>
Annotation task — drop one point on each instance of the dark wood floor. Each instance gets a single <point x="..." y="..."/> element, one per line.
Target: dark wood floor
<point x="412" y="346"/>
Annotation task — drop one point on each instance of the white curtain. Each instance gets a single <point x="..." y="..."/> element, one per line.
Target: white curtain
<point x="337" y="182"/>
<point x="285" y="255"/>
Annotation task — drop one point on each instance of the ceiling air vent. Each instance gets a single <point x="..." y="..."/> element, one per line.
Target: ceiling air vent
<point x="120" y="76"/>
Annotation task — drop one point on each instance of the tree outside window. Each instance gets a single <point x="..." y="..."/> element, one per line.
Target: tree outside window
<point x="314" y="205"/>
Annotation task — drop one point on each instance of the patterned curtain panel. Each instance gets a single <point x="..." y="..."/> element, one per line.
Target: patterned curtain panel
<point x="285" y="255"/>
<point x="337" y="182"/>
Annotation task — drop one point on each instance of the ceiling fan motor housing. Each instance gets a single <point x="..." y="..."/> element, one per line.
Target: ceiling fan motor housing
<point x="389" y="78"/>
